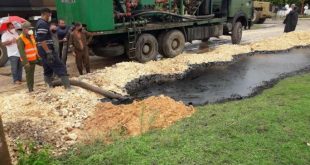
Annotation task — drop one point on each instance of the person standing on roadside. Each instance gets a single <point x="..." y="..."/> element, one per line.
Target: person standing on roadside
<point x="53" y="29"/>
<point x="63" y="36"/>
<point x="306" y="8"/>
<point x="291" y="21"/>
<point x="9" y="39"/>
<point x="289" y="8"/>
<point x="28" y="52"/>
<point x="80" y="38"/>
<point x="50" y="59"/>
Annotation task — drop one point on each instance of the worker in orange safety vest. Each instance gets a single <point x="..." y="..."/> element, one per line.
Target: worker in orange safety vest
<point x="28" y="52"/>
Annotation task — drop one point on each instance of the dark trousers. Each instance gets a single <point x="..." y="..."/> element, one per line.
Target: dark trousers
<point x="82" y="59"/>
<point x="30" y="75"/>
<point x="64" y="52"/>
<point x="57" y="67"/>
<point x="16" y="68"/>
<point x="61" y="46"/>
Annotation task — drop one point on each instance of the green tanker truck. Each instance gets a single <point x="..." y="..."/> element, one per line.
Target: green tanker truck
<point x="141" y="29"/>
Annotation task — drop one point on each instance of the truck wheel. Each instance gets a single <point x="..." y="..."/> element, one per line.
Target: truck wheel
<point x="236" y="33"/>
<point x="256" y="16"/>
<point x="3" y="55"/>
<point x="173" y="43"/>
<point x="146" y="48"/>
<point x="261" y="21"/>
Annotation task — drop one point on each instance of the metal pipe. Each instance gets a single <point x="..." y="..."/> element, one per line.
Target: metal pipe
<point x="181" y="7"/>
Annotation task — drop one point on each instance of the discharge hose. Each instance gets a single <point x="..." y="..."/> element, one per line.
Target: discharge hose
<point x="105" y="93"/>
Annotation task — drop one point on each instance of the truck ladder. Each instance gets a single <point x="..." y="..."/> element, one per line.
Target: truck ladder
<point x="132" y="38"/>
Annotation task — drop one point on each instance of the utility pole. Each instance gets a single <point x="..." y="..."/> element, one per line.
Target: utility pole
<point x="4" y="152"/>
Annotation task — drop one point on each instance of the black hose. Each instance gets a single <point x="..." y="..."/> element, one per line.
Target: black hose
<point x="94" y="89"/>
<point x="193" y="18"/>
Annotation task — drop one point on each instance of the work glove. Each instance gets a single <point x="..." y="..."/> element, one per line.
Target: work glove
<point x="39" y="61"/>
<point x="50" y="57"/>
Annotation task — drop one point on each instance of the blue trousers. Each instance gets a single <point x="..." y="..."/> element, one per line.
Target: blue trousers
<point x="57" y="67"/>
<point x="16" y="68"/>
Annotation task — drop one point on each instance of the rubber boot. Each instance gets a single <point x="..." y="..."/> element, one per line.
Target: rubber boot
<point x="87" y="70"/>
<point x="49" y="81"/>
<point x="30" y="90"/>
<point x="65" y="81"/>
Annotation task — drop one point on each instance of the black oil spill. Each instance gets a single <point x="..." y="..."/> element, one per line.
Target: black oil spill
<point x="230" y="81"/>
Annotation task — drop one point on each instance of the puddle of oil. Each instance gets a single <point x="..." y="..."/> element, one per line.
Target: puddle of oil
<point x="238" y="79"/>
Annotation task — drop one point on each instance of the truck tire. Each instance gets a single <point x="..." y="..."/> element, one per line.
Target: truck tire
<point x="146" y="48"/>
<point x="3" y="55"/>
<point x="236" y="33"/>
<point x="256" y="16"/>
<point x="261" y="21"/>
<point x="173" y="43"/>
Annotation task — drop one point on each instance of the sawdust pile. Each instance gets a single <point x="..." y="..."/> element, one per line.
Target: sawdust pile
<point x="115" y="78"/>
<point x="136" y="118"/>
<point x="46" y="116"/>
<point x="284" y="42"/>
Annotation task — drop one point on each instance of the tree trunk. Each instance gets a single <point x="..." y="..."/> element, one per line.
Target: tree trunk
<point x="4" y="152"/>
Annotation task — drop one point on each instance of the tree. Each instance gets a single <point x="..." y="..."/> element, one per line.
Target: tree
<point x="298" y="3"/>
<point x="283" y="2"/>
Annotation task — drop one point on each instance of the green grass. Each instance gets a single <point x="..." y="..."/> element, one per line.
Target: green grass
<point x="272" y="128"/>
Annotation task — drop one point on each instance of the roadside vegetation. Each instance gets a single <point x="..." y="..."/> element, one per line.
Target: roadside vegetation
<point x="272" y="128"/>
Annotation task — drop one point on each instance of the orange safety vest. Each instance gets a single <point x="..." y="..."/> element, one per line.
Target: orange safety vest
<point x="30" y="47"/>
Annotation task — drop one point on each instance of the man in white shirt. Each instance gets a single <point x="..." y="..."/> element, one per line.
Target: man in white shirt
<point x="287" y="6"/>
<point x="9" y="39"/>
<point x="289" y="9"/>
<point x="306" y="8"/>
